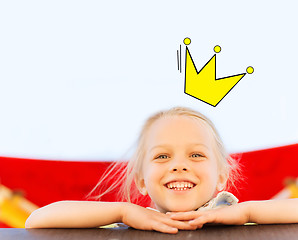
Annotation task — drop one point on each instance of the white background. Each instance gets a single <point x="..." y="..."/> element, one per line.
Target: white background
<point x="78" y="78"/>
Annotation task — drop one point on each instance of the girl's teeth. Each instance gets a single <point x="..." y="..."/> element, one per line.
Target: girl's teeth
<point x="180" y="185"/>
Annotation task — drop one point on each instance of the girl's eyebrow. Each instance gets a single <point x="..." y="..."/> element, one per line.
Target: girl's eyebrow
<point x="160" y="146"/>
<point x="199" y="144"/>
<point x="168" y="146"/>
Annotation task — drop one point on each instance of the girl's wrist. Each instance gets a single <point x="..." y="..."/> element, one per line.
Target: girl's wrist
<point x="246" y="210"/>
<point x="124" y="210"/>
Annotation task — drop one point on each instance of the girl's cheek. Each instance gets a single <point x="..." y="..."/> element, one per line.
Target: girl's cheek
<point x="156" y="171"/>
<point x="150" y="169"/>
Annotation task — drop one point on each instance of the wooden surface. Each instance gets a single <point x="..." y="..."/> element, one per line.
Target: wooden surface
<point x="287" y="231"/>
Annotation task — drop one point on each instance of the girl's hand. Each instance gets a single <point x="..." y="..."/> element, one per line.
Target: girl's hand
<point x="145" y="219"/>
<point x="231" y="215"/>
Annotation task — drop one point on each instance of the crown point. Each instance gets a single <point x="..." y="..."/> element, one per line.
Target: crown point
<point x="250" y="70"/>
<point x="187" y="41"/>
<point x="217" y="49"/>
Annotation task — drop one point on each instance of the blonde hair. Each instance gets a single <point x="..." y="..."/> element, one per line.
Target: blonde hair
<point x="124" y="175"/>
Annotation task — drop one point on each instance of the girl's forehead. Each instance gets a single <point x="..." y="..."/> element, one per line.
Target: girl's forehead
<point x="183" y="128"/>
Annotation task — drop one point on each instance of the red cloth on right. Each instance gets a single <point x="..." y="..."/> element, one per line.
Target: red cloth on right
<point x="265" y="171"/>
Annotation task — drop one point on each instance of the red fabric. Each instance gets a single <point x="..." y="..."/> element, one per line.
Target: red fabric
<point x="2" y="225"/>
<point x="44" y="181"/>
<point x="264" y="172"/>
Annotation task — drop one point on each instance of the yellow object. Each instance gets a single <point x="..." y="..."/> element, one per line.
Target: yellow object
<point x="290" y="190"/>
<point x="14" y="209"/>
<point x="217" y="49"/>
<point x="113" y="225"/>
<point x="187" y="41"/>
<point x="203" y="85"/>
<point x="293" y="188"/>
<point x="250" y="70"/>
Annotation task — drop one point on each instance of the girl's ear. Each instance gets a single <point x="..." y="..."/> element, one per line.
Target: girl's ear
<point x="222" y="180"/>
<point x="140" y="183"/>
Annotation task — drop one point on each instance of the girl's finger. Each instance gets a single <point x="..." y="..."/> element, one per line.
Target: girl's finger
<point x="207" y="218"/>
<point x="185" y="215"/>
<point x="183" y="225"/>
<point x="161" y="227"/>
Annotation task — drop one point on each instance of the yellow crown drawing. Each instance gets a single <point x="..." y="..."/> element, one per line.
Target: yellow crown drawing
<point x="203" y="84"/>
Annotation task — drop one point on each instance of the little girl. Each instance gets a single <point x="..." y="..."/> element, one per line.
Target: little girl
<point x="180" y="162"/>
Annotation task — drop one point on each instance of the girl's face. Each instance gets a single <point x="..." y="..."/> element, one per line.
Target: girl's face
<point x="180" y="170"/>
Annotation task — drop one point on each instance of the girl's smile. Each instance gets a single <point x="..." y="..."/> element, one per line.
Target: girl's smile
<point x="180" y="185"/>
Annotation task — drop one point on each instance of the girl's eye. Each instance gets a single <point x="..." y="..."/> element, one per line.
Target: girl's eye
<point x="197" y="155"/>
<point x="162" y="156"/>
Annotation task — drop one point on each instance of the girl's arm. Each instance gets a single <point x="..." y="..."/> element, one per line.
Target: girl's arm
<point x="262" y="212"/>
<point x="273" y="211"/>
<point x="75" y="214"/>
<point x="85" y="214"/>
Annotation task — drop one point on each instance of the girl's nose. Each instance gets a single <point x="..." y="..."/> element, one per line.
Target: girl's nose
<point x="179" y="165"/>
<point x="176" y="169"/>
